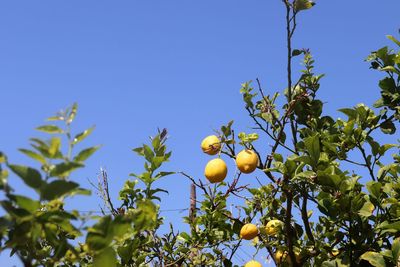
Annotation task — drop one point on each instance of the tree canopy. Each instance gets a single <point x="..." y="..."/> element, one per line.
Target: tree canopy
<point x="310" y="210"/>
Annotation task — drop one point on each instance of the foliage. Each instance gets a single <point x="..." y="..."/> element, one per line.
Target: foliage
<point x="345" y="218"/>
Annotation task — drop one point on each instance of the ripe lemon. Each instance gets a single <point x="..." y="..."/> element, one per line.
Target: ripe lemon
<point x="273" y="227"/>
<point x="247" y="161"/>
<point x="248" y="231"/>
<point x="216" y="170"/>
<point x="280" y="256"/>
<point x="335" y="252"/>
<point x="211" y="145"/>
<point x="253" y="263"/>
<point x="283" y="256"/>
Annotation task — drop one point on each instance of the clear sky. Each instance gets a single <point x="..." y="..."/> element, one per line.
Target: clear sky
<point x="133" y="66"/>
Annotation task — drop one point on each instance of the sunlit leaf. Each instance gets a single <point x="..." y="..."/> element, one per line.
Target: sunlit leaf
<point x="72" y="113"/>
<point x="55" y="144"/>
<point x="55" y="118"/>
<point x="2" y="157"/>
<point x="303" y="5"/>
<point x="30" y="176"/>
<point x="367" y="209"/>
<point x="79" y="137"/>
<point x="86" y="153"/>
<point x="57" y="188"/>
<point x="33" y="155"/>
<point x="105" y="258"/>
<point x="313" y="148"/>
<point x="396" y="248"/>
<point x="51" y="129"/>
<point x="100" y="235"/>
<point x="146" y="215"/>
<point x="391" y="37"/>
<point x="26" y="203"/>
<point x="374" y="258"/>
<point x="64" y="168"/>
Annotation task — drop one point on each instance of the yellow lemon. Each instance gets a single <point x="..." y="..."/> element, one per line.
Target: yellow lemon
<point x="211" y="145"/>
<point x="247" y="161"/>
<point x="253" y="263"/>
<point x="248" y="231"/>
<point x="280" y="256"/>
<point x="216" y="170"/>
<point x="273" y="227"/>
<point x="335" y="252"/>
<point x="283" y="256"/>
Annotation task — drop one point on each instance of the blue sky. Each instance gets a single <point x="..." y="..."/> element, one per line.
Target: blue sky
<point x="133" y="66"/>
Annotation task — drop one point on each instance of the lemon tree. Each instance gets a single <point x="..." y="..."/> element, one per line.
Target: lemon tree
<point x="309" y="209"/>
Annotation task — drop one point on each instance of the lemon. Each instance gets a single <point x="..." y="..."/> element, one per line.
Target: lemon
<point x="211" y="145"/>
<point x="247" y="161"/>
<point x="216" y="170"/>
<point x="280" y="256"/>
<point x="283" y="256"/>
<point x="253" y="263"/>
<point x="273" y="227"/>
<point x="248" y="231"/>
<point x="335" y="252"/>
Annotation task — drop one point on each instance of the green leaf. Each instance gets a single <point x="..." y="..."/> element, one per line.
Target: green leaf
<point x="313" y="148"/>
<point x="81" y="191"/>
<point x="227" y="263"/>
<point x="64" y="168"/>
<point x="379" y="103"/>
<point x="57" y="189"/>
<point x="146" y="215"/>
<point x="72" y="114"/>
<point x="349" y="127"/>
<point x="155" y="142"/>
<point x="396" y="249"/>
<point x="125" y="252"/>
<point x="334" y="263"/>
<point x="386" y="147"/>
<point x="13" y="212"/>
<point x="139" y="151"/>
<point x="391" y="37"/>
<point x="40" y="146"/>
<point x="79" y="137"/>
<point x="388" y="127"/>
<point x="391" y="227"/>
<point x="325" y="178"/>
<point x="51" y="129"/>
<point x="101" y="234"/>
<point x="226" y="130"/>
<point x="374" y="258"/>
<point x="55" y="144"/>
<point x="26" y="203"/>
<point x="367" y="209"/>
<point x="148" y="153"/>
<point x="303" y="5"/>
<point x="33" y="155"/>
<point x="374" y="188"/>
<point x="351" y="113"/>
<point x="388" y="85"/>
<point x="2" y="157"/>
<point x="184" y="237"/>
<point x="86" y="153"/>
<point x="157" y="162"/>
<point x="30" y="176"/>
<point x="56" y="118"/>
<point x="375" y="147"/>
<point x="296" y="52"/>
<point x="105" y="258"/>
<point x="390" y="69"/>
<point x="162" y="174"/>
